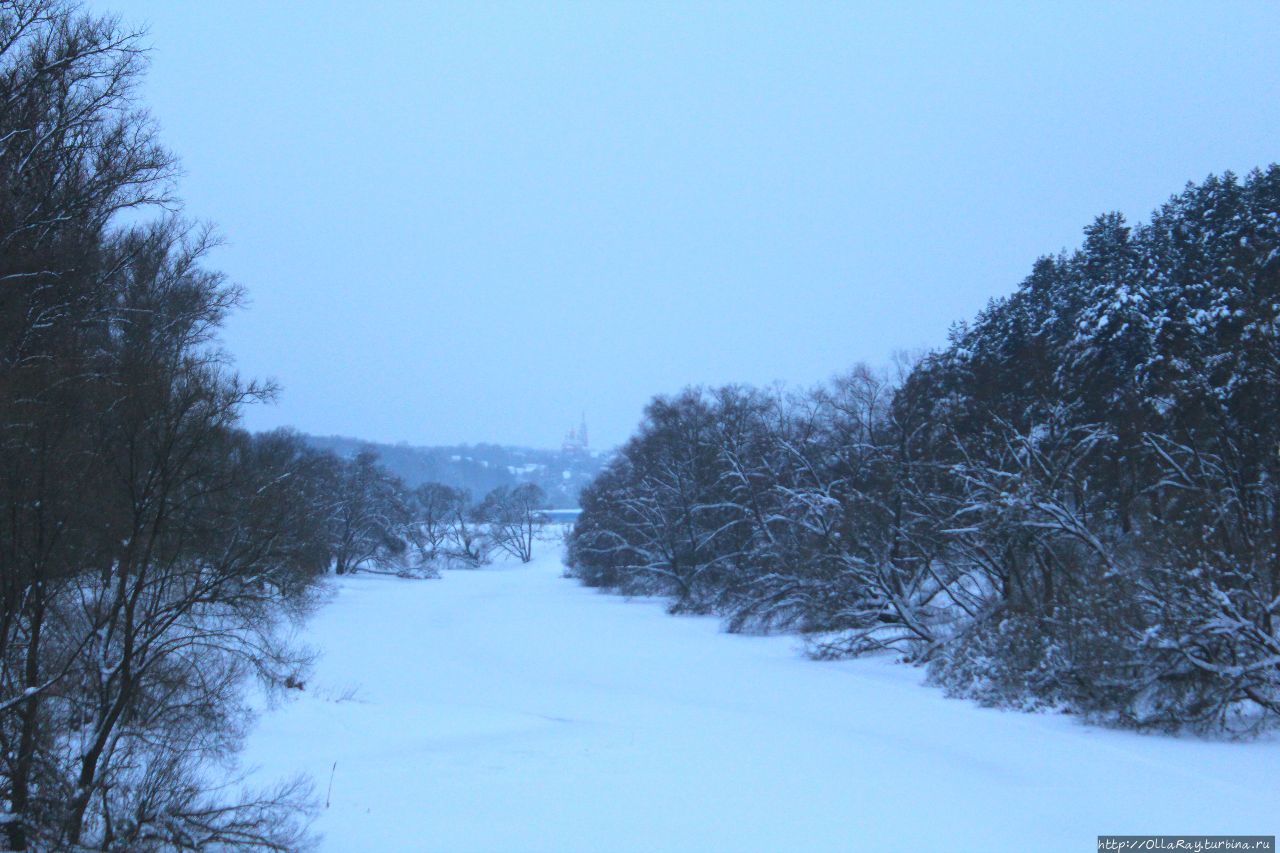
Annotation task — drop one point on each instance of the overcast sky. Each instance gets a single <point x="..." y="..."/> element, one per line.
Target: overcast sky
<point x="469" y="222"/>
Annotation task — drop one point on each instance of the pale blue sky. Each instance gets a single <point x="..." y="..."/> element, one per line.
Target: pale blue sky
<point x="471" y="222"/>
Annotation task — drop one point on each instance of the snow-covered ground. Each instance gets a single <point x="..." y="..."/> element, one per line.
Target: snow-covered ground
<point x="511" y="710"/>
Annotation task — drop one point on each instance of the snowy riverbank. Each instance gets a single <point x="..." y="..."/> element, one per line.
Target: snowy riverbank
<point x="510" y="709"/>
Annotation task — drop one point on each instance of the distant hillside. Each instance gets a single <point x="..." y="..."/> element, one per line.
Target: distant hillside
<point x="480" y="467"/>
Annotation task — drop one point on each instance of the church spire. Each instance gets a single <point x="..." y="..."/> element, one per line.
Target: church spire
<point x="575" y="441"/>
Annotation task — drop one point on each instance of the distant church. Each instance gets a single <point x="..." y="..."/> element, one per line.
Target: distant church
<point x="576" y="439"/>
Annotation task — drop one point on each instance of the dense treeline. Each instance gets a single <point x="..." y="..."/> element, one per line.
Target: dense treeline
<point x="150" y="550"/>
<point x="1072" y="505"/>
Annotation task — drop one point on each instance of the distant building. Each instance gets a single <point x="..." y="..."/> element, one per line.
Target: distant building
<point x="576" y="440"/>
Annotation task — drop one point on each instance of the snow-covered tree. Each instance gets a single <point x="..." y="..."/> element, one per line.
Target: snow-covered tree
<point x="1073" y="504"/>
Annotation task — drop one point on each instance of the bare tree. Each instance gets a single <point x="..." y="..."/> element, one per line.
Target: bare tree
<point x="469" y="542"/>
<point x="514" y="518"/>
<point x="372" y="513"/>
<point x="149" y="551"/>
<point x="434" y="507"/>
